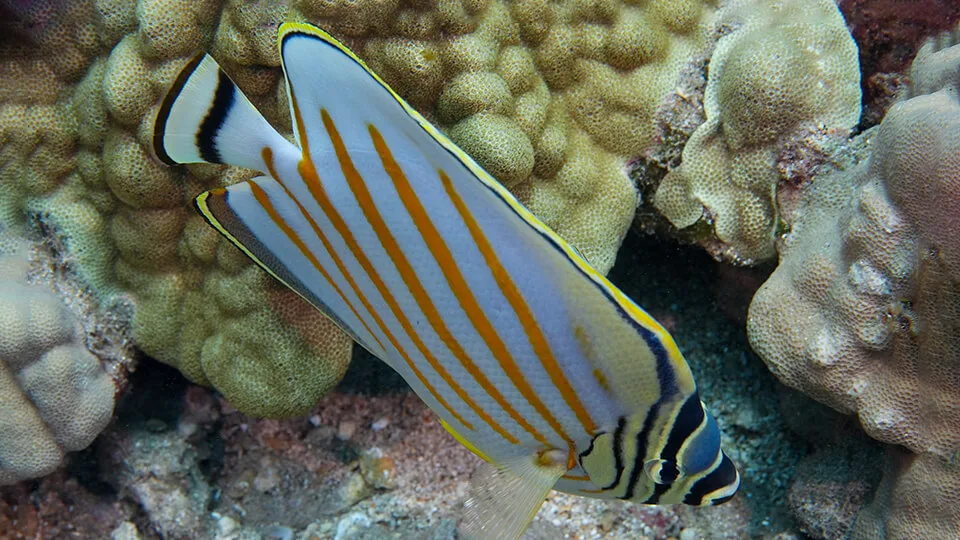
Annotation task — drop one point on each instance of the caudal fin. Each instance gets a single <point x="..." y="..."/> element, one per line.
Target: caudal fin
<point x="205" y="118"/>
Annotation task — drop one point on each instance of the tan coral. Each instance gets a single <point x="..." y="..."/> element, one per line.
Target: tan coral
<point x="551" y="98"/>
<point x="861" y="312"/>
<point x="917" y="498"/>
<point x="519" y="84"/>
<point x="75" y="141"/>
<point x="784" y="69"/>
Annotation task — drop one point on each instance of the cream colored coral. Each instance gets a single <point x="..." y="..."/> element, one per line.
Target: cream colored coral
<point x="551" y="97"/>
<point x="54" y="395"/>
<point x="862" y="311"/>
<point x="785" y="67"/>
<point x="917" y="498"/>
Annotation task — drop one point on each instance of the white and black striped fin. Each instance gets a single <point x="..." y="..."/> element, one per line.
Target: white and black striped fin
<point x="205" y="118"/>
<point x="261" y="218"/>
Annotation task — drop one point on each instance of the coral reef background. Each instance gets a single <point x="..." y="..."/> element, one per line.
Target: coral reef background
<point x="156" y="384"/>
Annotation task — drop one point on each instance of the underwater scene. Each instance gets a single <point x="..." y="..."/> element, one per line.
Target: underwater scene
<point x="479" y="269"/>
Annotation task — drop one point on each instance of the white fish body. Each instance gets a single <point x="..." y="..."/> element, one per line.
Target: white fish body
<point x="528" y="355"/>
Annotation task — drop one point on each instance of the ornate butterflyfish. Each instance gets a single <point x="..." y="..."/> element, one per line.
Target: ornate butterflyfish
<point x="528" y="355"/>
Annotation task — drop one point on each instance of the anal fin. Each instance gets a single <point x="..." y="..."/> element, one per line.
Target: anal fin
<point x="504" y="499"/>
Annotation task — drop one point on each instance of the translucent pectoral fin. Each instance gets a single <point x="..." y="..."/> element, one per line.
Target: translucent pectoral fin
<point x="504" y="499"/>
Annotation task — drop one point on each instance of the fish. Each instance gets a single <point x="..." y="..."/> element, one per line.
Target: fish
<point x="529" y="356"/>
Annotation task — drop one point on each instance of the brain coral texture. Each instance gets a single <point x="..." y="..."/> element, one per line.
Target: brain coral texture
<point x="786" y="69"/>
<point x="54" y="395"/>
<point x="518" y="84"/>
<point x="862" y="311"/>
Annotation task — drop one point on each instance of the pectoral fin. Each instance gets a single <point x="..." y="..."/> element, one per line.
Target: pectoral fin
<point x="504" y="499"/>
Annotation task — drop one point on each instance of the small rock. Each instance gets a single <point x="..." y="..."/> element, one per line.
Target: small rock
<point x="278" y="532"/>
<point x="267" y="478"/>
<point x="352" y="525"/>
<point x="125" y="531"/>
<point x="158" y="471"/>
<point x="354" y="489"/>
<point x="242" y="485"/>
<point x="380" y="423"/>
<point x="378" y="469"/>
<point x="346" y="430"/>
<point x="227" y="526"/>
<point x="230" y="529"/>
<point x="607" y="520"/>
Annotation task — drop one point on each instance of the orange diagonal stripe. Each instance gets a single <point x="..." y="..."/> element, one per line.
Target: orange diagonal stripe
<point x="537" y="339"/>
<point x="409" y="276"/>
<point x="441" y="252"/>
<point x="310" y="177"/>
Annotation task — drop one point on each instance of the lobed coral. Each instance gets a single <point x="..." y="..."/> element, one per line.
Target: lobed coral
<point x="551" y="98"/>
<point x="80" y="91"/>
<point x="862" y="314"/>
<point x="55" y="396"/>
<point x="783" y="71"/>
<point x="518" y="84"/>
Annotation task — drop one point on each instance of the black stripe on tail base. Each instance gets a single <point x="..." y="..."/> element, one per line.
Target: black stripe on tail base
<point x="724" y="475"/>
<point x="643" y="439"/>
<point x="618" y="452"/>
<point x="223" y="100"/>
<point x="690" y="417"/>
<point x="160" y="129"/>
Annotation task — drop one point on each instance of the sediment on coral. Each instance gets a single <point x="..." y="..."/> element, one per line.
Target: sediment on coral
<point x="783" y="73"/>
<point x="862" y="314"/>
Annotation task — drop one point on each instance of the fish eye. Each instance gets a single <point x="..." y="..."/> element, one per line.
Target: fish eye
<point x="661" y="471"/>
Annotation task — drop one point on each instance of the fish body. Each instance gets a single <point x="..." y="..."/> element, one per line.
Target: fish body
<point x="529" y="356"/>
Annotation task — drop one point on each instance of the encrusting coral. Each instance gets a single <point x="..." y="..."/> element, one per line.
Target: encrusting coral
<point x="786" y="71"/>
<point x="862" y="312"/>
<point x="56" y="396"/>
<point x="518" y="84"/>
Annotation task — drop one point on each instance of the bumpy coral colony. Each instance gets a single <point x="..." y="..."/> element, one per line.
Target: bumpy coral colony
<point x="552" y="98"/>
<point x="862" y="311"/>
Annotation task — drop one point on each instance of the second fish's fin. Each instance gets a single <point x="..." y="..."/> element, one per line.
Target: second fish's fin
<point x="504" y="499"/>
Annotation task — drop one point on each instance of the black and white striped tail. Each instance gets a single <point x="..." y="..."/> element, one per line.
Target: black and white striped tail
<point x="205" y="118"/>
